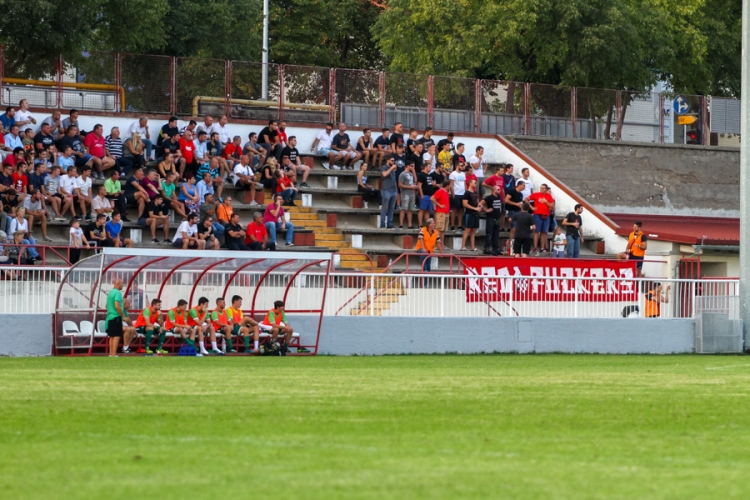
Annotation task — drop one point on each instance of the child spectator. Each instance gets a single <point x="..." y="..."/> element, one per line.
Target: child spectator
<point x="558" y="243"/>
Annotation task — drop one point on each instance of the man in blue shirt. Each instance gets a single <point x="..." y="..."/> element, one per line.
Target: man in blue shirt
<point x="7" y="120"/>
<point x="114" y="229"/>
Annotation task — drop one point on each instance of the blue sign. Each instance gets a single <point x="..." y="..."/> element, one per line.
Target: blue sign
<point x="681" y="105"/>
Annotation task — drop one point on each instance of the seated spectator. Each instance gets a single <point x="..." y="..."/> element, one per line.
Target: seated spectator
<point x="285" y="187"/>
<point x="234" y="236"/>
<point x="7" y="120"/>
<point x="115" y="194"/>
<point x="383" y="145"/>
<point x="343" y="147"/>
<point x="101" y="205"/>
<point x="84" y="191"/>
<point x="220" y="128"/>
<point x="114" y="231"/>
<point x="13" y="140"/>
<point x="36" y="178"/>
<point x="208" y="210"/>
<point x="73" y="140"/>
<point x="55" y="125"/>
<point x="367" y="149"/>
<point x="208" y="122"/>
<point x="256" y="236"/>
<point x="187" y="152"/>
<point x="77" y="241"/>
<point x="68" y="188"/>
<point x="19" y="223"/>
<point x="134" y="192"/>
<point x="207" y="235"/>
<point x="254" y="150"/>
<point x="189" y="196"/>
<point x="17" y="255"/>
<point x="23" y="115"/>
<point x="97" y="148"/>
<point x="35" y="209"/>
<point x="13" y="159"/>
<point x="322" y="145"/>
<point x="156" y="215"/>
<point x="114" y="151"/>
<point x="216" y="175"/>
<point x="190" y="127"/>
<point x="268" y="175"/>
<point x="27" y="139"/>
<point x="150" y="184"/>
<point x="274" y="220"/>
<point x="233" y="151"/>
<point x="134" y="148"/>
<point x="205" y="187"/>
<point x="44" y="139"/>
<point x="244" y="178"/>
<point x="96" y="232"/>
<point x="200" y="153"/>
<point x="55" y="198"/>
<point x="187" y="234"/>
<point x="171" y="147"/>
<point x="168" y="130"/>
<point x="215" y="151"/>
<point x="72" y="119"/>
<point x="295" y="161"/>
<point x="369" y="193"/>
<point x="269" y="140"/>
<point x="141" y="128"/>
<point x="225" y="211"/>
<point x="20" y="181"/>
<point x="65" y="160"/>
<point x="282" y="135"/>
<point x="43" y="158"/>
<point x="167" y="166"/>
<point x="171" y="200"/>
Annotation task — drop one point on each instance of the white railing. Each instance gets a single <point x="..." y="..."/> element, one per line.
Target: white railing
<point x="29" y="289"/>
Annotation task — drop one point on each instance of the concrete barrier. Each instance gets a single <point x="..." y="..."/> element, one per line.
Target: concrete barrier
<point x="25" y="334"/>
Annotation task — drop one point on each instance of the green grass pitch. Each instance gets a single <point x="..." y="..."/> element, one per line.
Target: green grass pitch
<point x="434" y="427"/>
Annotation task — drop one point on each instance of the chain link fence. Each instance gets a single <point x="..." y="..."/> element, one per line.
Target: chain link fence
<point x="201" y="86"/>
<point x="306" y="94"/>
<point x="503" y="105"/>
<point x="640" y="116"/>
<point x="247" y="101"/>
<point x="147" y="83"/>
<point x="596" y="113"/>
<point x="550" y="109"/>
<point x="90" y="83"/>
<point x="34" y="79"/>
<point x="454" y="103"/>
<point x="406" y="98"/>
<point x="359" y="100"/>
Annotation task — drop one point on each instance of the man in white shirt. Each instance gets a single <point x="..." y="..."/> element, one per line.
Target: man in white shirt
<point x="208" y="122"/>
<point x="187" y="234"/>
<point x="478" y="163"/>
<point x="244" y="178"/>
<point x="458" y="189"/>
<point x="23" y="115"/>
<point x="84" y="191"/>
<point x="529" y="185"/>
<point x="322" y="146"/>
<point x="141" y="127"/>
<point x="68" y="187"/>
<point x="221" y="129"/>
<point x="101" y="204"/>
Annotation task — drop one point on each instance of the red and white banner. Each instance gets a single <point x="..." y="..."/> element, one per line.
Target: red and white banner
<point x="550" y="280"/>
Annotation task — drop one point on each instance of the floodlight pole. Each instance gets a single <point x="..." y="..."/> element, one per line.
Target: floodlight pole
<point x="744" y="180"/>
<point x="264" y="72"/>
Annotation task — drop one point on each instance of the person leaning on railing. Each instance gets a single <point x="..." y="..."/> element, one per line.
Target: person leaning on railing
<point x="427" y="242"/>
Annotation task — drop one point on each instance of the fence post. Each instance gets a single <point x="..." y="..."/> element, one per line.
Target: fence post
<point x="381" y="83"/>
<point x="527" y="109"/>
<point x="173" y="86"/>
<point x="430" y="102"/>
<point x="704" y="122"/>
<point x="228" y="87"/>
<point x="618" y="109"/>
<point x="2" y="71"/>
<point x="478" y="106"/>
<point x="59" y="80"/>
<point x="118" y="81"/>
<point x="372" y="295"/>
<point x="574" y="109"/>
<point x="281" y="92"/>
<point x="332" y="95"/>
<point x="442" y="295"/>
<point x="661" y="118"/>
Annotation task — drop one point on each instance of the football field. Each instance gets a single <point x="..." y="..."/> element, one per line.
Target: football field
<point x="495" y="426"/>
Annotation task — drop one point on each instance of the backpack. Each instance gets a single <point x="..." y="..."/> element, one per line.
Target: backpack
<point x="187" y="350"/>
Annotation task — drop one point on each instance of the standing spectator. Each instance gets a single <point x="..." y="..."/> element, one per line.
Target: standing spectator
<point x="114" y="230"/>
<point x="156" y="215"/>
<point x="225" y="211"/>
<point x="186" y="236"/>
<point x="141" y="128"/>
<point x="187" y="151"/>
<point x="558" y="243"/>
<point x="19" y="223"/>
<point x="168" y="130"/>
<point x="343" y="146"/>
<point x="388" y="193"/>
<point x="220" y="128"/>
<point x="244" y="178"/>
<point x="269" y="140"/>
<point x="426" y="139"/>
<point x="369" y="193"/>
<point x="72" y="119"/>
<point x="492" y="206"/>
<point x="426" y="188"/>
<point x="134" y="192"/>
<point x="429" y="158"/>
<point x="34" y="206"/>
<point x="407" y="184"/>
<point x="400" y="159"/>
<point x="397" y="137"/>
<point x="208" y="211"/>
<point x="508" y="178"/>
<point x="544" y="206"/>
<point x="97" y="148"/>
<point x="55" y="125"/>
<point x="23" y="115"/>
<point x="207" y="234"/>
<point x="383" y="146"/>
<point x="116" y="194"/>
<point x="101" y="205"/>
<point x="274" y="220"/>
<point x="528" y="184"/>
<point x="458" y="156"/>
<point x="234" y="238"/>
<point x="113" y="144"/>
<point x="285" y="187"/>
<point x="471" y="205"/>
<point x="427" y="242"/>
<point x="524" y="229"/>
<point x="416" y="156"/>
<point x="441" y="200"/>
<point x="257" y="235"/>
<point x="441" y="145"/>
<point x="7" y="120"/>
<point x="478" y="165"/>
<point x="636" y="249"/>
<point x="254" y="150"/>
<point x="292" y="152"/>
<point x="322" y="146"/>
<point x="513" y="204"/>
<point x="573" y="232"/>
<point x="44" y="139"/>
<point x="367" y="149"/>
<point x="458" y="189"/>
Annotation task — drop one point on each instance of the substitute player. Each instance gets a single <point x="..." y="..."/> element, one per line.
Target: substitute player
<point x="222" y="324"/>
<point x="198" y="319"/>
<point x="148" y="323"/>
<point x="177" y="322"/>
<point x="243" y="325"/>
<point x="276" y="322"/>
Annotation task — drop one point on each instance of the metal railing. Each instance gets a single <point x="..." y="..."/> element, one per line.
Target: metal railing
<point x="29" y="289"/>
<point x="120" y="82"/>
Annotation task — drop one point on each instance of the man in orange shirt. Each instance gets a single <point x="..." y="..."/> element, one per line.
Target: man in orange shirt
<point x="636" y="249"/>
<point x="243" y="325"/>
<point x="427" y="242"/>
<point x="148" y="323"/>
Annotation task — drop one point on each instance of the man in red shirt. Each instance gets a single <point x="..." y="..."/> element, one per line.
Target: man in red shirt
<point x="96" y="146"/>
<point x="544" y="209"/>
<point x="441" y="200"/>
<point x="187" y="147"/>
<point x="14" y="158"/>
<point x="282" y="135"/>
<point x="233" y="151"/>
<point x="20" y="181"/>
<point x="257" y="236"/>
<point x="496" y="180"/>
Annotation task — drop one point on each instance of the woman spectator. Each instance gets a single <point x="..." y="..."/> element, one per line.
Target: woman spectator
<point x="369" y="193"/>
<point x="134" y="150"/>
<point x="19" y="223"/>
<point x="285" y="187"/>
<point x="471" y="205"/>
<point x="16" y="255"/>
<point x="268" y="175"/>
<point x="189" y="196"/>
<point x="167" y="165"/>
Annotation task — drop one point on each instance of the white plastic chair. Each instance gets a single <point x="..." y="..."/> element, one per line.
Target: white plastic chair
<point x="70" y="329"/>
<point x="87" y="328"/>
<point x="101" y="327"/>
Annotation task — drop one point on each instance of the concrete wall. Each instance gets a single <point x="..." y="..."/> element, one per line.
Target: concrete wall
<point x="626" y="177"/>
<point x="374" y="336"/>
<point x="25" y="334"/>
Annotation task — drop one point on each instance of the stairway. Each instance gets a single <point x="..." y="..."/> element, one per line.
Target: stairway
<point x="388" y="290"/>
